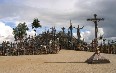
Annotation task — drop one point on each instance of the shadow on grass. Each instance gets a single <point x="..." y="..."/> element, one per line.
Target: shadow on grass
<point x="64" y="62"/>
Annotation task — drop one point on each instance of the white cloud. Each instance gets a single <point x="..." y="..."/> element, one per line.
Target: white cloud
<point x="100" y="32"/>
<point x="75" y="35"/>
<point x="31" y="33"/>
<point x="86" y="35"/>
<point x="5" y="33"/>
<point x="59" y="12"/>
<point x="90" y="34"/>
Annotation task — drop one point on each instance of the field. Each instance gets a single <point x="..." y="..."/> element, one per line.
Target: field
<point x="66" y="61"/>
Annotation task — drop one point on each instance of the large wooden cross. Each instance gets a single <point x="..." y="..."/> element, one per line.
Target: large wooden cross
<point x="95" y="20"/>
<point x="96" y="57"/>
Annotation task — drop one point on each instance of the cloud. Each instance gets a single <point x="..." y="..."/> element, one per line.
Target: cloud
<point x="31" y="33"/>
<point x="59" y="12"/>
<point x="5" y="33"/>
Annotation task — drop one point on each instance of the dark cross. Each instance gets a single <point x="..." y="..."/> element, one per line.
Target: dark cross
<point x="71" y="28"/>
<point x="63" y="29"/>
<point x="63" y="33"/>
<point x="78" y="32"/>
<point x="95" y="20"/>
<point x="96" y="57"/>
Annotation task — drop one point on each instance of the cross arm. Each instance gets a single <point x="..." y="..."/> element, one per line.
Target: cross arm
<point x="82" y="27"/>
<point x="89" y="19"/>
<point x="97" y="19"/>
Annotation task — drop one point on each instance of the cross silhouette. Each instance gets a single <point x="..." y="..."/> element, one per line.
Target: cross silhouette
<point x="63" y="29"/>
<point x="95" y="20"/>
<point x="78" y="32"/>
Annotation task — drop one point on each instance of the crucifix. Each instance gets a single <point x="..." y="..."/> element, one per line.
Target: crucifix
<point x="96" y="57"/>
<point x="78" y="32"/>
<point x="95" y="20"/>
<point x="71" y="28"/>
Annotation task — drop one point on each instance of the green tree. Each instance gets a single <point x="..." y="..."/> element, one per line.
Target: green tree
<point x="36" y="24"/>
<point x="19" y="32"/>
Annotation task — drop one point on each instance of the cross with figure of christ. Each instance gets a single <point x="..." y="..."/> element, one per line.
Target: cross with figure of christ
<point x="95" y="20"/>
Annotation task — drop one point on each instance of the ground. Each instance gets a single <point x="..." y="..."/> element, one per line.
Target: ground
<point x="66" y="61"/>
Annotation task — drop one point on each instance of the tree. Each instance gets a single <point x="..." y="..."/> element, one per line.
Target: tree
<point x="20" y="31"/>
<point x="36" y="24"/>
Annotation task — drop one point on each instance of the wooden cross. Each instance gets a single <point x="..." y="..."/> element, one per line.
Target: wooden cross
<point x="95" y="20"/>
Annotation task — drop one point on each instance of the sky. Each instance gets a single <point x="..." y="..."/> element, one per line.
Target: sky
<point x="58" y="13"/>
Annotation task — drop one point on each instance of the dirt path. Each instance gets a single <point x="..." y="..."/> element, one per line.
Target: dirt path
<point x="66" y="61"/>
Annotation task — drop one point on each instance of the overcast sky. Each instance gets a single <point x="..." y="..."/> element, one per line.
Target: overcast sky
<point x="58" y="13"/>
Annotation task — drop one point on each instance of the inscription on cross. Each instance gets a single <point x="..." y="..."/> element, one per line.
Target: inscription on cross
<point x="95" y="20"/>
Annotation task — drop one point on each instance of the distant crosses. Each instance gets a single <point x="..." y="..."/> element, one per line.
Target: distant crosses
<point x="68" y="35"/>
<point x="78" y="32"/>
<point x="95" y="20"/>
<point x="63" y="29"/>
<point x="53" y="32"/>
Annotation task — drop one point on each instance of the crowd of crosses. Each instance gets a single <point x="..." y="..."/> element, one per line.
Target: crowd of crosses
<point x="51" y="42"/>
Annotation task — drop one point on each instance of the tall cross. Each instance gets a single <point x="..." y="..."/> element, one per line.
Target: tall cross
<point x="71" y="28"/>
<point x="95" y="20"/>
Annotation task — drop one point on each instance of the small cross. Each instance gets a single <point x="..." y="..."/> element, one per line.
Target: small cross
<point x="63" y="29"/>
